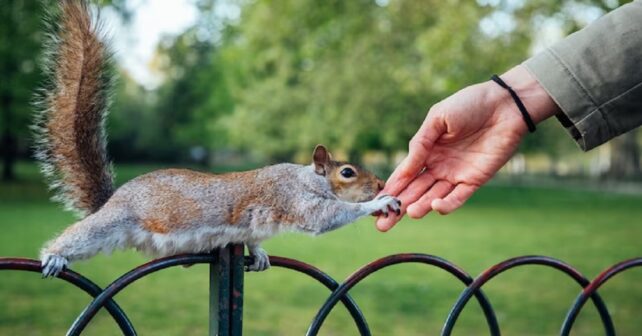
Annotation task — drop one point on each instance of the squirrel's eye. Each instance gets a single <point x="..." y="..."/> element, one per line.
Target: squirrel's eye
<point x="348" y="173"/>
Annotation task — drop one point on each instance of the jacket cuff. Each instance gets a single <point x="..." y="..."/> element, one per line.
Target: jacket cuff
<point x="580" y="116"/>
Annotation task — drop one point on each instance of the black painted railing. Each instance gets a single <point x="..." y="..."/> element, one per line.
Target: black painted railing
<point x="227" y="266"/>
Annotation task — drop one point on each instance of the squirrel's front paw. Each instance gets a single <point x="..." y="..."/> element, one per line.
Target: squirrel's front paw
<point x="261" y="260"/>
<point x="384" y="203"/>
<point x="52" y="265"/>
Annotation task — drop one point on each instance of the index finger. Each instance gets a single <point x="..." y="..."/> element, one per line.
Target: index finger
<point x="407" y="171"/>
<point x="418" y="150"/>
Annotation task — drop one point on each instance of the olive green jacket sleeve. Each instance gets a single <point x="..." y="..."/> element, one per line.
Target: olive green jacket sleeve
<point x="595" y="76"/>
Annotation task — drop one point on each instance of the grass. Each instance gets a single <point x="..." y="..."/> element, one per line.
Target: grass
<point x="587" y="229"/>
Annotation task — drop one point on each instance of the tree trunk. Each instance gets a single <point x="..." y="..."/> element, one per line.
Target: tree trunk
<point x="8" y="142"/>
<point x="625" y="157"/>
<point x="9" y="151"/>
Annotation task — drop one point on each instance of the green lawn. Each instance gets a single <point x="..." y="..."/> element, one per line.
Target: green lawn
<point x="588" y="230"/>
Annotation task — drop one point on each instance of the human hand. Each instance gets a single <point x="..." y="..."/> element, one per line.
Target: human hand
<point x="464" y="140"/>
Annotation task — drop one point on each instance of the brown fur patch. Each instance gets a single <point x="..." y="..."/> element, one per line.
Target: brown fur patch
<point x="252" y="195"/>
<point x="239" y="209"/>
<point x="286" y="216"/>
<point x="256" y="197"/>
<point x="192" y="175"/>
<point x="155" y="225"/>
<point x="247" y="177"/>
<point x="170" y="209"/>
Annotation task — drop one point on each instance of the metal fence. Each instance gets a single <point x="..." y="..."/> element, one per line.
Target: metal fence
<point x="227" y="267"/>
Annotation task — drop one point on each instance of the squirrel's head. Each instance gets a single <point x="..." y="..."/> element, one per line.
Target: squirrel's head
<point x="349" y="182"/>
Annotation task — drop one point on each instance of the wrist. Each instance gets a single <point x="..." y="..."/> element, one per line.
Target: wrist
<point x="538" y="102"/>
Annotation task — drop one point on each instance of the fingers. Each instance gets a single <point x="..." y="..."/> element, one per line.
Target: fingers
<point x="423" y="205"/>
<point x="454" y="199"/>
<point x="418" y="151"/>
<point x="385" y="223"/>
<point x="404" y="173"/>
<point x="408" y="196"/>
<point x="442" y="197"/>
<point x="408" y="181"/>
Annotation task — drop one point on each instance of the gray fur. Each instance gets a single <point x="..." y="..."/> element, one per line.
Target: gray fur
<point x="297" y="191"/>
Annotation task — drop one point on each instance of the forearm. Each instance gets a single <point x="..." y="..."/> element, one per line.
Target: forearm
<point x="595" y="77"/>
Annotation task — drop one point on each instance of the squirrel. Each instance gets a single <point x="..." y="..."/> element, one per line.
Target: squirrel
<point x="169" y="211"/>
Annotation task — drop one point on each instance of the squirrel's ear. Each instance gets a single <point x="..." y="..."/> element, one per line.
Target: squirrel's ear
<point x="321" y="159"/>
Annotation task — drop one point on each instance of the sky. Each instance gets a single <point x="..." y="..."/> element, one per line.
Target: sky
<point x="135" y="43"/>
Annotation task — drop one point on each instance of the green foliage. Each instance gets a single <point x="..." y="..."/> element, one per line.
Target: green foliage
<point x="283" y="76"/>
<point x="133" y="127"/>
<point x="20" y="41"/>
<point x="185" y="111"/>
<point x="195" y="94"/>
<point x="22" y="33"/>
<point x="361" y="75"/>
<point x="354" y="75"/>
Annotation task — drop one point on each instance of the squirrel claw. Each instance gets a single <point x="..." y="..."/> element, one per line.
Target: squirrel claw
<point x="385" y="203"/>
<point x="261" y="261"/>
<point x="52" y="265"/>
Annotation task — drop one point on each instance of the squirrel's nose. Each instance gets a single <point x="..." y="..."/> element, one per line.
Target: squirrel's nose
<point x="380" y="184"/>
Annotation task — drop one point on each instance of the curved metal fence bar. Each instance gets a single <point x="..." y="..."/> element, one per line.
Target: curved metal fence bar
<point x="130" y="277"/>
<point x="503" y="266"/>
<point x="30" y="265"/>
<point x="328" y="282"/>
<point x="591" y="290"/>
<point x="226" y="288"/>
<point x="374" y="266"/>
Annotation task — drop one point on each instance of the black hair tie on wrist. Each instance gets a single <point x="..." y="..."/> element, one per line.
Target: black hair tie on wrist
<point x="527" y="118"/>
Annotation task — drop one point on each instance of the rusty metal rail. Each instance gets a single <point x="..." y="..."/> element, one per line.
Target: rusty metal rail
<point x="227" y="267"/>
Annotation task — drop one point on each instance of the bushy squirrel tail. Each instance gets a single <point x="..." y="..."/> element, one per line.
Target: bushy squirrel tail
<point x="72" y="105"/>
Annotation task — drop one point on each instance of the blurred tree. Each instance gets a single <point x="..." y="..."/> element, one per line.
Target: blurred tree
<point x="131" y="109"/>
<point x="360" y="75"/>
<point x="282" y="76"/>
<point x="194" y="94"/>
<point x="20" y="23"/>
<point x="356" y="75"/>
<point x="21" y="35"/>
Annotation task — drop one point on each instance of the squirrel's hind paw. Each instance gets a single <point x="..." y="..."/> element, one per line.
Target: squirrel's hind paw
<point x="261" y="261"/>
<point x="52" y="265"/>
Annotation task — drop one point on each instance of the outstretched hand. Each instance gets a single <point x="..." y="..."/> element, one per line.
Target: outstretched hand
<point x="464" y="140"/>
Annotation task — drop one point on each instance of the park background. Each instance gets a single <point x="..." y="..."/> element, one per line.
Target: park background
<point x="248" y="83"/>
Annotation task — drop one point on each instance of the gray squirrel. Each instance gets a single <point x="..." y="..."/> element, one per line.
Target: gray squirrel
<point x="169" y="211"/>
